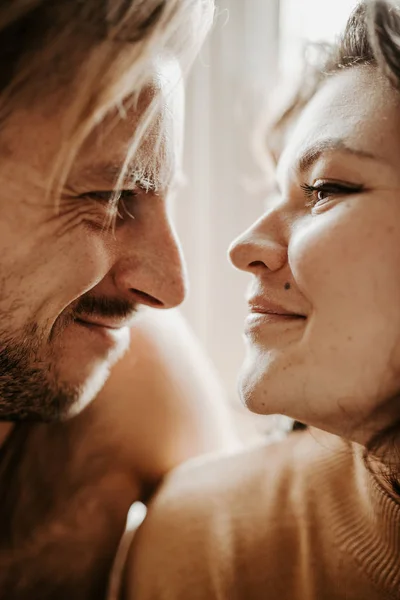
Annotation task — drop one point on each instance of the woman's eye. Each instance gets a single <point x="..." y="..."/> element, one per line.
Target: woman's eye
<point x="321" y="192"/>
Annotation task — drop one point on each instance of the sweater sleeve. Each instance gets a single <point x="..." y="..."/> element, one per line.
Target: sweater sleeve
<point x="182" y="549"/>
<point x="218" y="531"/>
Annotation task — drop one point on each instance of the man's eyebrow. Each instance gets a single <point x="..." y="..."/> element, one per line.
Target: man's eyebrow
<point x="108" y="172"/>
<point x="315" y="151"/>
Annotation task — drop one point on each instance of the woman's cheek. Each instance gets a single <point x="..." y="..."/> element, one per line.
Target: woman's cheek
<point x="327" y="248"/>
<point x="311" y="252"/>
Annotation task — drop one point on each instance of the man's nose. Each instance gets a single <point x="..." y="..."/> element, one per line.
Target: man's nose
<point x="150" y="268"/>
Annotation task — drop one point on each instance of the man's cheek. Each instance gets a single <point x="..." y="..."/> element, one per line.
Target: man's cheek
<point x="82" y="267"/>
<point x="61" y="273"/>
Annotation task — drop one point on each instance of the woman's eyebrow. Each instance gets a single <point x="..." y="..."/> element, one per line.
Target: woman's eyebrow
<point x="315" y="151"/>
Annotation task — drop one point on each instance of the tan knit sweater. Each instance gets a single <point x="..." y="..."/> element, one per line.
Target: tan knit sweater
<point x="298" y="520"/>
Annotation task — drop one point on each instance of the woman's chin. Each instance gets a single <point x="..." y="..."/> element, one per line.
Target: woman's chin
<point x="253" y="385"/>
<point x="269" y="382"/>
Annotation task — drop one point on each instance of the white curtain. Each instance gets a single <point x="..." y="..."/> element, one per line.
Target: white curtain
<point x="225" y="94"/>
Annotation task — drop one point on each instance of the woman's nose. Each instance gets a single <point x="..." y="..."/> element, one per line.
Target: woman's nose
<point x="260" y="246"/>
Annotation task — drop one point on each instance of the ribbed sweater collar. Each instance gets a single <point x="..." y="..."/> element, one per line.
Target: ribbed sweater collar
<point x="366" y="519"/>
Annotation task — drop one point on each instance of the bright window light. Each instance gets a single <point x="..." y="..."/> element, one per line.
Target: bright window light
<point x="309" y="21"/>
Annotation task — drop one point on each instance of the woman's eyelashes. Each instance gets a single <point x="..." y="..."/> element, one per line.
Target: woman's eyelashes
<point x="322" y="192"/>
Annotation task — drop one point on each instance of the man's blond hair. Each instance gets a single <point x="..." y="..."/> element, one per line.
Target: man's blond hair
<point x="101" y="49"/>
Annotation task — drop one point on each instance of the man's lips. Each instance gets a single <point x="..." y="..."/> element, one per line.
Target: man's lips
<point x="106" y="323"/>
<point x="99" y="334"/>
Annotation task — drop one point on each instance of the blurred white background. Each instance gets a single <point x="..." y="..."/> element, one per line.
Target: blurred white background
<point x="253" y="42"/>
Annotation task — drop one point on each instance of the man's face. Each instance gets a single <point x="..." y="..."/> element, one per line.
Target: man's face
<point x="68" y="286"/>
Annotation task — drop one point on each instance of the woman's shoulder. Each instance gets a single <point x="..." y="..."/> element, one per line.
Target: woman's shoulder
<point x="213" y="518"/>
<point x="262" y="468"/>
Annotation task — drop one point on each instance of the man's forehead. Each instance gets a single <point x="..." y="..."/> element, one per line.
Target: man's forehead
<point x="155" y="155"/>
<point x="163" y="86"/>
<point x="153" y="163"/>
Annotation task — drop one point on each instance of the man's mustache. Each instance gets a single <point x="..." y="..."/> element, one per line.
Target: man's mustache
<point x="104" y="306"/>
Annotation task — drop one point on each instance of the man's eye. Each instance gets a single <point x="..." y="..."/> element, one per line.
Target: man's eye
<point x="98" y="196"/>
<point x="125" y="198"/>
<point x="126" y="202"/>
<point x="321" y="192"/>
<point x="106" y="196"/>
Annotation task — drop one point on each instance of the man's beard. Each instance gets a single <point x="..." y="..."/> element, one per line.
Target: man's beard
<point x="30" y="389"/>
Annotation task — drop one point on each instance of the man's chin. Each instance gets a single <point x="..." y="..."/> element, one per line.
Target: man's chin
<point x="87" y="392"/>
<point x="83" y="345"/>
<point x="56" y="383"/>
<point x="88" y="378"/>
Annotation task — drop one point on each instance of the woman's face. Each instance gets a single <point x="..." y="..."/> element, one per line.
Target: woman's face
<point x="323" y="332"/>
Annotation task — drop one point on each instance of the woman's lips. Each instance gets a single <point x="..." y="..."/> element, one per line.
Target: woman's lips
<point x="271" y="317"/>
<point x="270" y="314"/>
<point x="261" y="306"/>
